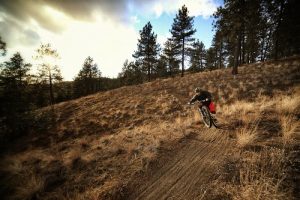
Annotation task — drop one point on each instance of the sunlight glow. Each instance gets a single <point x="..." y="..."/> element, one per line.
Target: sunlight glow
<point x="100" y="40"/>
<point x="101" y="35"/>
<point x="158" y="9"/>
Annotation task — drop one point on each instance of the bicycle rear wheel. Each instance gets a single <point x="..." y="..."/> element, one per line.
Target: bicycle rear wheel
<point x="214" y="122"/>
<point x="205" y="116"/>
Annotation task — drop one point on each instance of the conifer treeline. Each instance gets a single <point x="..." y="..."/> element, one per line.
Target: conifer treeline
<point x="151" y="62"/>
<point x="21" y="91"/>
<point x="248" y="31"/>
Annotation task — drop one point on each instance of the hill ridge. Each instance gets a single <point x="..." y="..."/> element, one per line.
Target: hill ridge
<point x="94" y="147"/>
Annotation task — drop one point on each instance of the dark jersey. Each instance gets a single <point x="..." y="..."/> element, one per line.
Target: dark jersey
<point x="201" y="96"/>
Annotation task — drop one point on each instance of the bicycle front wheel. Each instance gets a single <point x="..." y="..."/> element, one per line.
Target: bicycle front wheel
<point x="205" y="116"/>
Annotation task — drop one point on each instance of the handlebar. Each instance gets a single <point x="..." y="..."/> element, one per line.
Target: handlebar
<point x="202" y="101"/>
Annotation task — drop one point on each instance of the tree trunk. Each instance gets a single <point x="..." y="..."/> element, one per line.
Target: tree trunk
<point x="277" y="30"/>
<point x="243" y="46"/>
<point x="201" y="63"/>
<point x="51" y="89"/>
<point x="241" y="42"/>
<point x="262" y="49"/>
<point x="220" y="55"/>
<point x="236" y="55"/>
<point x="182" y="59"/>
<point x="170" y="68"/>
<point x="149" y="73"/>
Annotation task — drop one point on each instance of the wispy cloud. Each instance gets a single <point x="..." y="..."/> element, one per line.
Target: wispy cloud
<point x="80" y="28"/>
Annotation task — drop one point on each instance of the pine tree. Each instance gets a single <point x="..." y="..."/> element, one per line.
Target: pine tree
<point x="230" y="22"/>
<point x="148" y="49"/>
<point x="253" y="17"/>
<point x="88" y="78"/>
<point x="48" y="72"/>
<point x="169" y="55"/>
<point x="251" y="30"/>
<point x="162" y="69"/>
<point x="284" y="16"/>
<point x="211" y="58"/>
<point x="198" y="54"/>
<point x="14" y="98"/>
<point x="182" y="31"/>
<point x="131" y="74"/>
<point x="220" y="46"/>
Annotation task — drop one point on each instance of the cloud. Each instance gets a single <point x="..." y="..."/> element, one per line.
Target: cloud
<point x="118" y="10"/>
<point x="196" y="8"/>
<point x="102" y="29"/>
<point x="109" y="43"/>
<point x="17" y="17"/>
<point x="14" y="34"/>
<point x="24" y="11"/>
<point x="29" y="38"/>
<point x="161" y="39"/>
<point x="203" y="8"/>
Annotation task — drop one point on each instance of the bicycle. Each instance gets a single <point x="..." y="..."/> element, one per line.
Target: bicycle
<point x="206" y="115"/>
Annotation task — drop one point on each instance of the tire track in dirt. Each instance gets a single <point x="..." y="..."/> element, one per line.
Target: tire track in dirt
<point x="185" y="175"/>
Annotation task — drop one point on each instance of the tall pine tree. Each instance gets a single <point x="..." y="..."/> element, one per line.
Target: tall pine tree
<point x="251" y="30"/>
<point x="182" y="31"/>
<point x="148" y="49"/>
<point x="14" y="97"/>
<point x="131" y="74"/>
<point x="198" y="54"/>
<point x="230" y="22"/>
<point x="88" y="79"/>
<point x="49" y="72"/>
<point x="169" y="55"/>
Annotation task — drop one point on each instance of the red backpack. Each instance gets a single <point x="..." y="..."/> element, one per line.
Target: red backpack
<point x="212" y="108"/>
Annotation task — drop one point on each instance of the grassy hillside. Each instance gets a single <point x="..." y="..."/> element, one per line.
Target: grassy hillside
<point x="99" y="146"/>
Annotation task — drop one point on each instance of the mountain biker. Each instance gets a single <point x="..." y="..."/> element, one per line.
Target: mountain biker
<point x="204" y="97"/>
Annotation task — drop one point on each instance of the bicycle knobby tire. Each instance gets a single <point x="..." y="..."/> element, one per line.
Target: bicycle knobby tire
<point x="205" y="113"/>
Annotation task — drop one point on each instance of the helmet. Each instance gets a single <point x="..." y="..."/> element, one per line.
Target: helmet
<point x="197" y="90"/>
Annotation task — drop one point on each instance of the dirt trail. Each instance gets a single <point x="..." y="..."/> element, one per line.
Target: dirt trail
<point x="185" y="176"/>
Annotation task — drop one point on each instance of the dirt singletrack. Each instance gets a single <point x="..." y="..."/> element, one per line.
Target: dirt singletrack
<point x="185" y="176"/>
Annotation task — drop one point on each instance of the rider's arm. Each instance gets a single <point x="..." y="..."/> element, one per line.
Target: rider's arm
<point x="195" y="98"/>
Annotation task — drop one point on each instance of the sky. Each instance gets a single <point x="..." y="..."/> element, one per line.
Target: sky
<point x="106" y="30"/>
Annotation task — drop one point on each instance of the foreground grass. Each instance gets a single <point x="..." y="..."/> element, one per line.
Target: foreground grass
<point x="93" y="167"/>
<point x="265" y="141"/>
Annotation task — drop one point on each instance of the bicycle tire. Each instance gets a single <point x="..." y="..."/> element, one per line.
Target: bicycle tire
<point x="214" y="123"/>
<point x="205" y="116"/>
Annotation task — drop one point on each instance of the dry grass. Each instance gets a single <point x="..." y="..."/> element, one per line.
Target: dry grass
<point x="29" y="187"/>
<point x="117" y="134"/>
<point x="289" y="104"/>
<point x="21" y="181"/>
<point x="239" y="108"/>
<point x="246" y="136"/>
<point x="288" y="126"/>
<point x="257" y="181"/>
<point x="260" y="173"/>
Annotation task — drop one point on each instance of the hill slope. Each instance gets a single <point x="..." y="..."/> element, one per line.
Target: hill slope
<point x="104" y="145"/>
